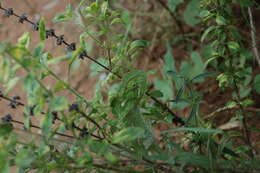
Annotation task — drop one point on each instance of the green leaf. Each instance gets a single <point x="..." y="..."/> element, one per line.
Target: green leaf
<point x="206" y="14"/>
<point x="138" y="44"/>
<point x="58" y="103"/>
<point x="18" y="52"/>
<point x="111" y="157"/>
<point x="173" y="4"/>
<point x="193" y="159"/>
<point x="169" y="59"/>
<point x="98" y="147"/>
<point x="62" y="17"/>
<point x="190" y="70"/>
<point x="116" y="20"/>
<point x="244" y="91"/>
<point x="31" y="87"/>
<point x="196" y="130"/>
<point x="128" y="134"/>
<point x="11" y="84"/>
<point x="134" y="82"/>
<point x="165" y="86"/>
<point x="4" y="162"/>
<point x="42" y="30"/>
<point x="24" y="158"/>
<point x="179" y="93"/>
<point x="233" y="45"/>
<point x="220" y="20"/>
<point x="205" y="34"/>
<point x="46" y="123"/>
<point x="95" y="68"/>
<point x="156" y="94"/>
<point x="24" y="40"/>
<point x="38" y="50"/>
<point x="104" y="8"/>
<point x="174" y="75"/>
<point x="202" y="76"/>
<point x="257" y="83"/>
<point x="60" y="85"/>
<point x="193" y="114"/>
<point x="5" y="129"/>
<point x="191" y="13"/>
<point x="209" y="60"/>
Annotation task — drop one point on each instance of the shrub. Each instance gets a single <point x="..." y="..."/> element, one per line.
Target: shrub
<point x="117" y="130"/>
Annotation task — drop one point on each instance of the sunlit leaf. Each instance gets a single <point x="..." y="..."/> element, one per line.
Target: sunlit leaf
<point x="42" y="30"/>
<point x="128" y="134"/>
<point x="58" y="103"/>
<point x="191" y="13"/>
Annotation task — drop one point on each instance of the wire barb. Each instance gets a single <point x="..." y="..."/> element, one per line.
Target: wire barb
<point x="35" y="26"/>
<point x="7" y="118"/>
<point x="71" y="47"/>
<point x="22" y="18"/>
<point x="8" y="12"/>
<point x="60" y="40"/>
<point x="50" y="33"/>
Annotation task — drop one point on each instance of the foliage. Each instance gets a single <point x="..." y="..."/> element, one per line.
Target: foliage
<point x="116" y="131"/>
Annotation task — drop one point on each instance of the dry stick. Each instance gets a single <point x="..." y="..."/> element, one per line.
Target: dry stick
<point x="253" y="36"/>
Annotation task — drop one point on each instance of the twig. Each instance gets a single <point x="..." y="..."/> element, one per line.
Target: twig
<point x="72" y="47"/>
<point x="253" y="36"/>
<point x="244" y="122"/>
<point x="37" y="127"/>
<point x="212" y="114"/>
<point x="177" y="21"/>
<point x="18" y="103"/>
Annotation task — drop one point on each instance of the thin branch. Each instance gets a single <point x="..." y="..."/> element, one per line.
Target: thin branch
<point x="177" y="21"/>
<point x="18" y="103"/>
<point x="71" y="47"/>
<point x="253" y="36"/>
<point x="244" y="122"/>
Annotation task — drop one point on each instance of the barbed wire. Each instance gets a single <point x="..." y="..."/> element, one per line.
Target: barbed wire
<point x="82" y="55"/>
<point x="14" y="103"/>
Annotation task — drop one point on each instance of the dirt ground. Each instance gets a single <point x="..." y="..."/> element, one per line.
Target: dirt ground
<point x="10" y="30"/>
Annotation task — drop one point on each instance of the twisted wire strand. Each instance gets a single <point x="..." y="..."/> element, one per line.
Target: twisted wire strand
<point x="16" y="103"/>
<point x="71" y="47"/>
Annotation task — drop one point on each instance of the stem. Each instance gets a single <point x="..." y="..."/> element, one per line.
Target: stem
<point x="177" y="119"/>
<point x="28" y="71"/>
<point x="177" y="21"/>
<point x="253" y="37"/>
<point x="244" y="122"/>
<point x="67" y="86"/>
<point x="94" y="122"/>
